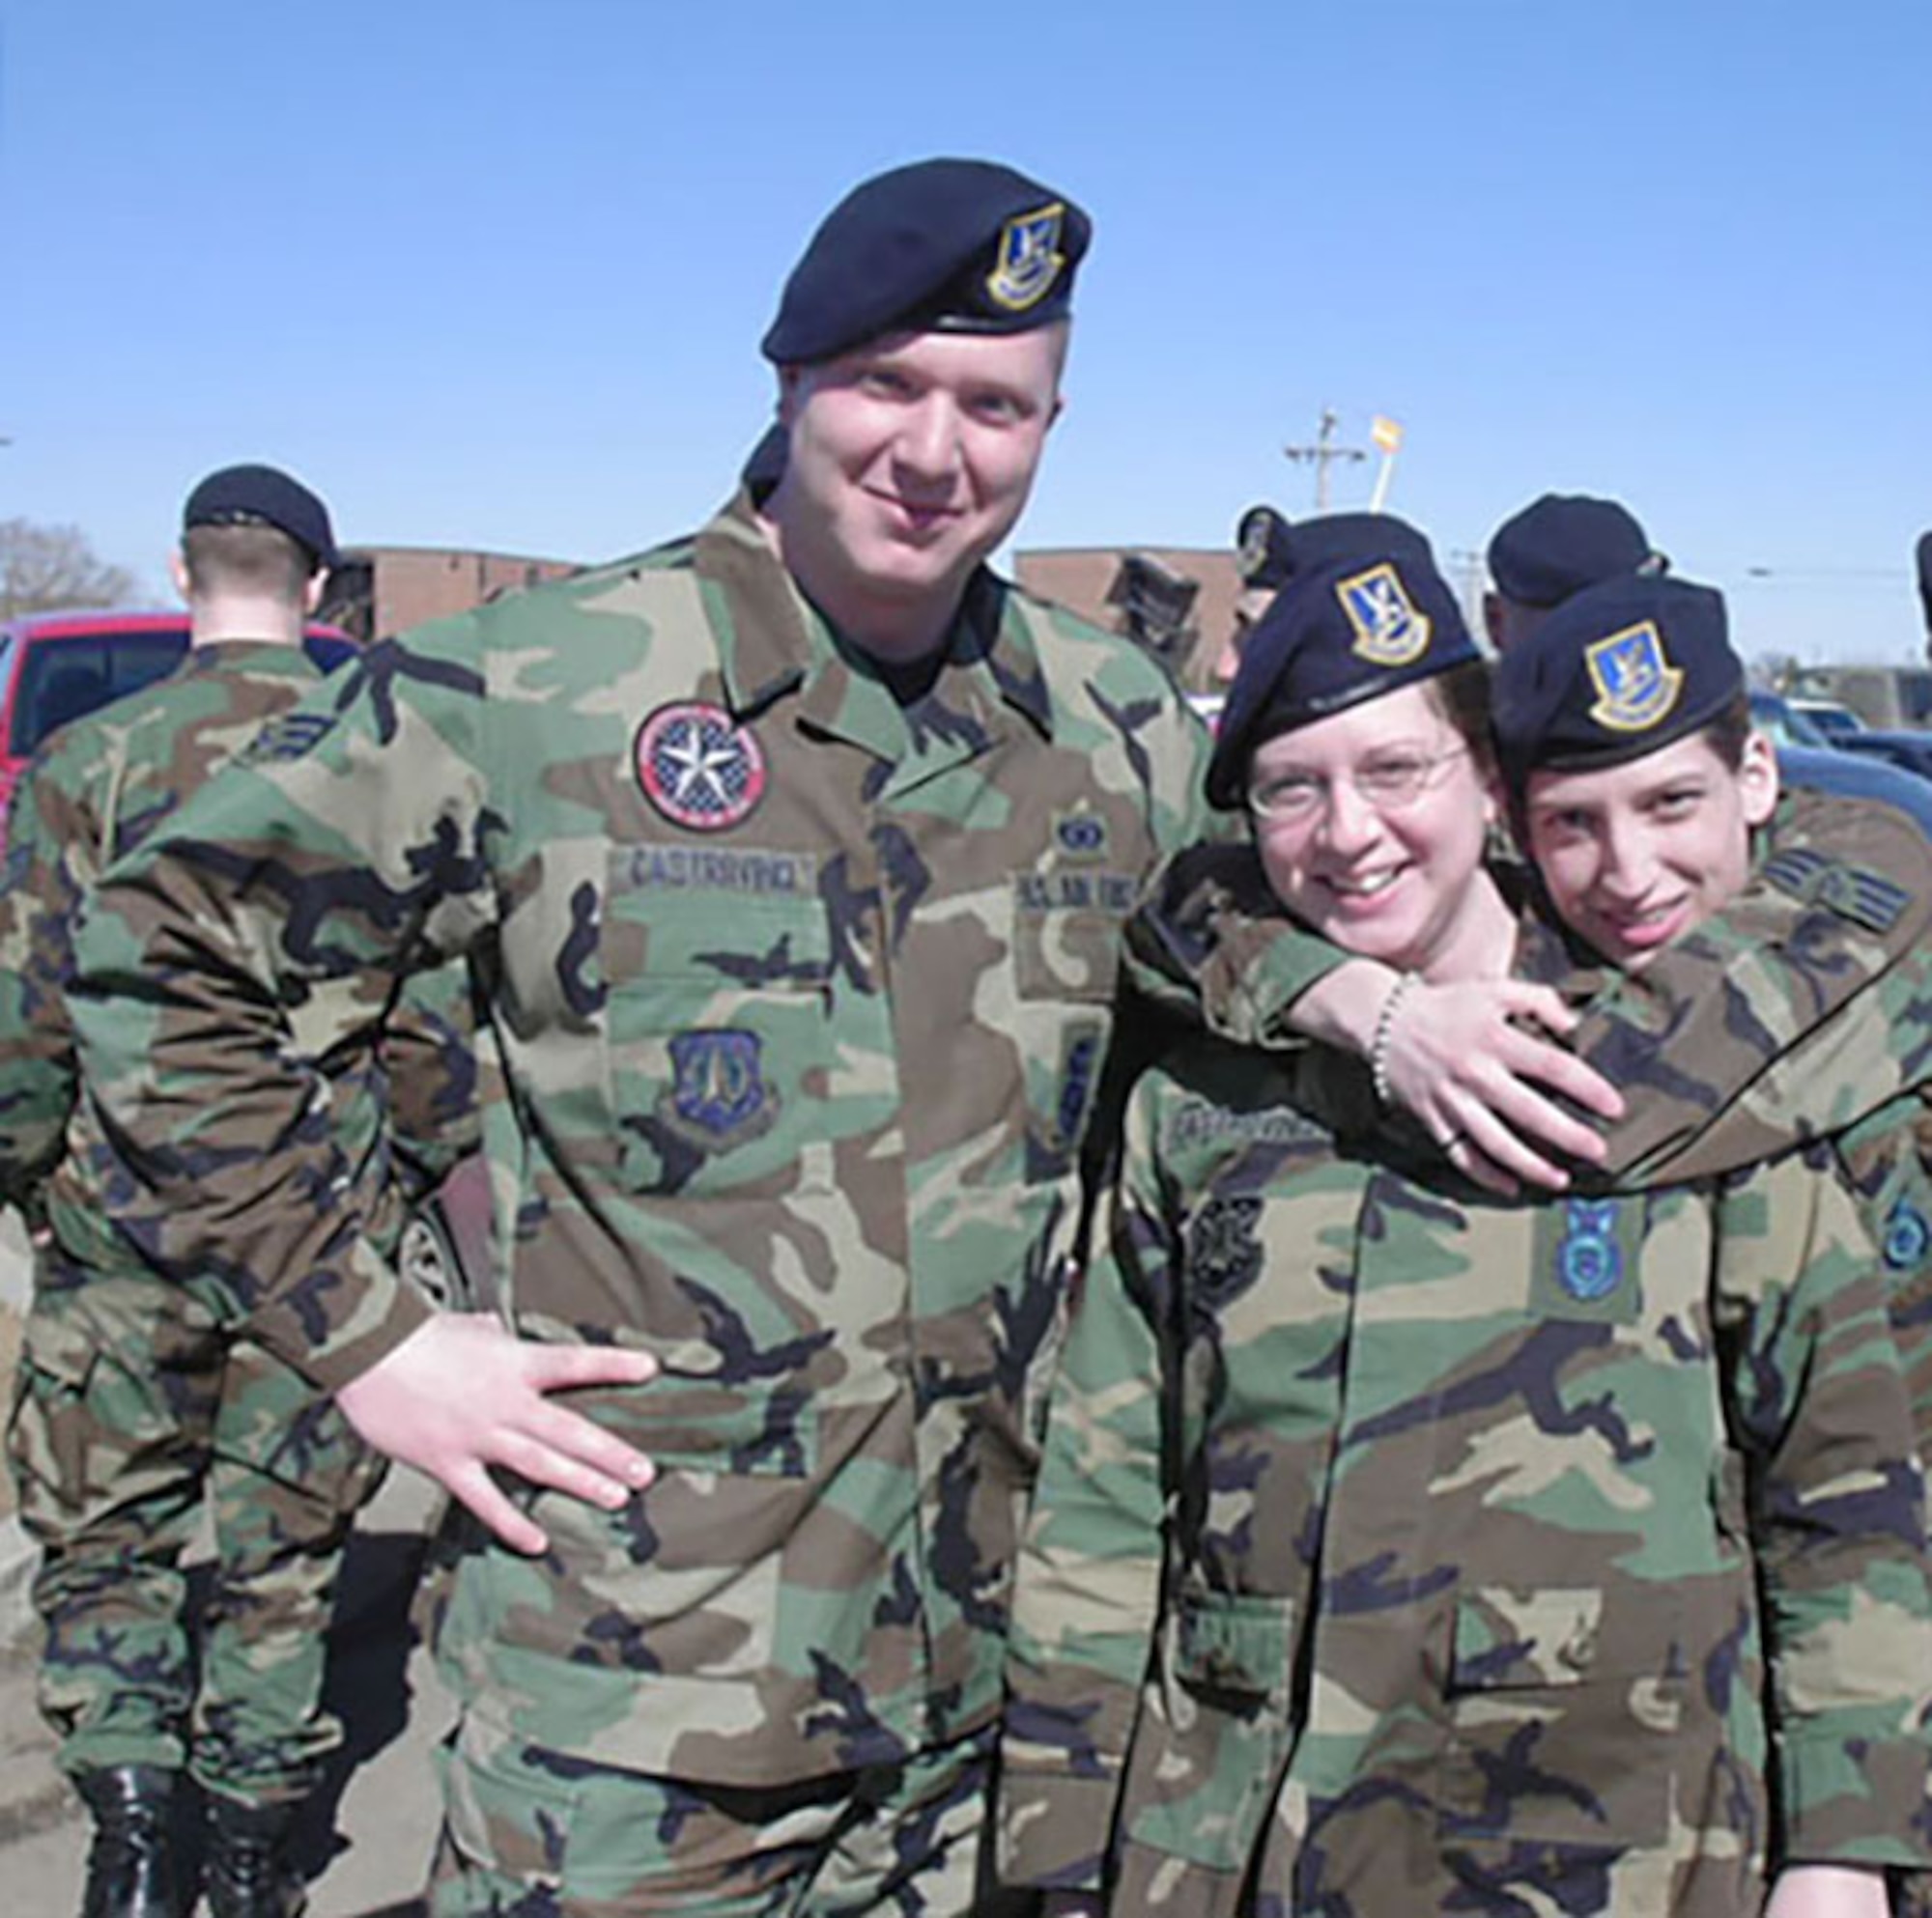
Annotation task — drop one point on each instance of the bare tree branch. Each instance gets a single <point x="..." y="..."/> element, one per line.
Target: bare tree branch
<point x="45" y="568"/>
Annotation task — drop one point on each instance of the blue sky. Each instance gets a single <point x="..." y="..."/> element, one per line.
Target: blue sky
<point x="495" y="276"/>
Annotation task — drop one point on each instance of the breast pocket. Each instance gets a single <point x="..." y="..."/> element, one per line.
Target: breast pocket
<point x="1563" y="1730"/>
<point x="718" y="1044"/>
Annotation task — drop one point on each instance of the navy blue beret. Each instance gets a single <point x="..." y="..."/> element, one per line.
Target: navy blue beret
<point x="1334" y="636"/>
<point x="1616" y="672"/>
<point x="950" y="245"/>
<point x="1560" y="544"/>
<point x="262" y="496"/>
<point x="1271" y="550"/>
<point x="1260" y="549"/>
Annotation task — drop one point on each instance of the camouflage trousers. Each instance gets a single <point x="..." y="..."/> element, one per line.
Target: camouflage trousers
<point x="134" y="1410"/>
<point x="530" y="1833"/>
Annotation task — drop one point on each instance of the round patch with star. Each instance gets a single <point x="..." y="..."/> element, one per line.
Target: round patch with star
<point x="698" y="767"/>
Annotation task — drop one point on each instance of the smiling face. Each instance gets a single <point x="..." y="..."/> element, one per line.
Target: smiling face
<point x="1393" y="878"/>
<point x="1635" y="855"/>
<point x="909" y="461"/>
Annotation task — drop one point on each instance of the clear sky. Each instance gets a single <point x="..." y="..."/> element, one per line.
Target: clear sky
<point x="494" y="275"/>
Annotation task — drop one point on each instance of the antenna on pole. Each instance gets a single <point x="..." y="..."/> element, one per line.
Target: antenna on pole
<point x="1323" y="454"/>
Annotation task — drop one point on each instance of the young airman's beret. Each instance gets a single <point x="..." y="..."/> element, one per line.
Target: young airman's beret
<point x="1616" y="672"/>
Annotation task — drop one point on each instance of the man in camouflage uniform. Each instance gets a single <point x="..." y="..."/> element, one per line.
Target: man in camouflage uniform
<point x="141" y="1398"/>
<point x="1452" y="1518"/>
<point x="793" y="858"/>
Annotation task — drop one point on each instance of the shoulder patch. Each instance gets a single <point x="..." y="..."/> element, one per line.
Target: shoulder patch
<point x="288" y="736"/>
<point x="1864" y="898"/>
<point x="698" y="767"/>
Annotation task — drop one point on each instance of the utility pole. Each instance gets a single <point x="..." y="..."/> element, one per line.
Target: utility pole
<point x="1323" y="454"/>
<point x="1471" y="569"/>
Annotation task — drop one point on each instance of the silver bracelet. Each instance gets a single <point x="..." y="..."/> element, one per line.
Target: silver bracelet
<point x="1379" y="1046"/>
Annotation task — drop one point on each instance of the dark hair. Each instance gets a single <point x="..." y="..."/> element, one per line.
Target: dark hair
<point x="245" y="558"/>
<point x="1462" y="696"/>
<point x="1728" y="731"/>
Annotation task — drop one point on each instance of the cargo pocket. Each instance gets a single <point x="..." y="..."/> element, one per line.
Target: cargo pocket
<point x="1557" y="1733"/>
<point x="1214" y="1730"/>
<point x="506" y="1822"/>
<point x="117" y="1379"/>
<point x="51" y="1436"/>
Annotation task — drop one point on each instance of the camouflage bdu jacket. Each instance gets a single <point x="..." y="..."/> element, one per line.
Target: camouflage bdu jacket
<point x="1853" y="1072"/>
<point x="95" y="790"/>
<point x="1802" y="1014"/>
<point x="801" y="1000"/>
<point x="1446" y="1520"/>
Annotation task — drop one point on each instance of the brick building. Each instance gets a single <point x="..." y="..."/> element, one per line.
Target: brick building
<point x="1179" y="601"/>
<point x="378" y="590"/>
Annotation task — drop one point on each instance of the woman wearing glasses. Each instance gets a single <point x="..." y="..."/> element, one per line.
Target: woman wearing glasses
<point x="1400" y="1549"/>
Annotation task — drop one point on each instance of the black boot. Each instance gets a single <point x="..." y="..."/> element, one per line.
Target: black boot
<point x="246" y="1869"/>
<point x="130" y="1865"/>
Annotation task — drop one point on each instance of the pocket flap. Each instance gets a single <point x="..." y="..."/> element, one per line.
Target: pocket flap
<point x="1235" y="1642"/>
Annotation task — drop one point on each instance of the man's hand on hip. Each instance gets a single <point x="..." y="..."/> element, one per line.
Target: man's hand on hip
<point x="461" y="1395"/>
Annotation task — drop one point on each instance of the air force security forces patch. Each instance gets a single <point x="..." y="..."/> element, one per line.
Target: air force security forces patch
<point x="1028" y="259"/>
<point x="718" y="1095"/>
<point x="1617" y="672"/>
<point x="1636" y="685"/>
<point x="698" y="767"/>
<point x="1389" y="630"/>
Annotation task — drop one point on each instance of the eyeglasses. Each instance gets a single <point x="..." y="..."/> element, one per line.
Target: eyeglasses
<point x="1389" y="781"/>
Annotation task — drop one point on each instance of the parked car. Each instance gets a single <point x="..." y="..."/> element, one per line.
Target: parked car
<point x="1775" y="714"/>
<point x="1208" y="705"/>
<point x="1831" y="716"/>
<point x="59" y="666"/>
<point x="1899" y="748"/>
